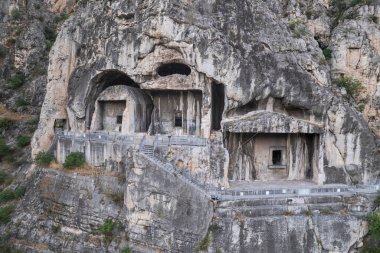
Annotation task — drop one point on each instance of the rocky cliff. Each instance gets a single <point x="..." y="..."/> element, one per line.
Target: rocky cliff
<point x="304" y="56"/>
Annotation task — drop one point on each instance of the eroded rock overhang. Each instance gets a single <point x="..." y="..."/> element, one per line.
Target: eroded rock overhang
<point x="270" y="122"/>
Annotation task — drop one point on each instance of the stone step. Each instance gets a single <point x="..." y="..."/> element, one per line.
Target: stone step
<point x="276" y="210"/>
<point x="283" y="200"/>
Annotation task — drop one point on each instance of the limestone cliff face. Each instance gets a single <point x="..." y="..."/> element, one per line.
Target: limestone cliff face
<point x="261" y="51"/>
<point x="268" y="54"/>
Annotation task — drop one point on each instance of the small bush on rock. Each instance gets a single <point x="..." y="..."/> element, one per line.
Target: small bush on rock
<point x="6" y="124"/>
<point x="20" y="102"/>
<point x="16" y="81"/>
<point x="4" y="177"/>
<point x="8" y="194"/>
<point x="327" y="52"/>
<point x="74" y="160"/>
<point x="44" y="158"/>
<point x="374" y="225"/>
<point x="351" y="85"/>
<point x="23" y="140"/>
<point x="5" y="151"/>
<point x="127" y="249"/>
<point x="205" y="242"/>
<point x="6" y="213"/>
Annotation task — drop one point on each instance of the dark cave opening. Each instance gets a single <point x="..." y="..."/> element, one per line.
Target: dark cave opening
<point x="173" y="68"/>
<point x="217" y="105"/>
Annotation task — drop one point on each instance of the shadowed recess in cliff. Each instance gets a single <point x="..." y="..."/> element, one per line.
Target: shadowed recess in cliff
<point x="174" y="68"/>
<point x="101" y="82"/>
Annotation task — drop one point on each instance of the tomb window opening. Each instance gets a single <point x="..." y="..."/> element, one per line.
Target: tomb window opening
<point x="178" y="119"/>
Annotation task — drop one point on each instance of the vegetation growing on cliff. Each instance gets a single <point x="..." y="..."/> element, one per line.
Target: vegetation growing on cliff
<point x="74" y="160"/>
<point x="44" y="158"/>
<point x="352" y="86"/>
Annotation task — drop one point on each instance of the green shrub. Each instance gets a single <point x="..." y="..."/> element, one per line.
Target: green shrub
<point x="49" y="44"/>
<point x="361" y="107"/>
<point x="351" y="85"/>
<point x="374" y="225"/>
<point x="23" y="140"/>
<point x="50" y="36"/>
<point x="205" y="242"/>
<point x="74" y="160"/>
<point x="15" y="13"/>
<point x="43" y="158"/>
<point x="8" y="248"/>
<point x="20" y="192"/>
<point x="360" y="2"/>
<point x="4" y="177"/>
<point x="5" y="151"/>
<point x="38" y="71"/>
<point x="8" y="194"/>
<point x="16" y="80"/>
<point x="375" y="19"/>
<point x="107" y="228"/>
<point x="6" y="124"/>
<point x="20" y="102"/>
<point x="327" y="52"/>
<point x="126" y="249"/>
<point x="297" y="28"/>
<point x="6" y="213"/>
<point x="50" y="33"/>
<point x="56" y="228"/>
<point x="3" y="52"/>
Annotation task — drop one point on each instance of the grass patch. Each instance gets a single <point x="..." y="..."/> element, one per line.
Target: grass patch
<point x="8" y="194"/>
<point x="5" y="178"/>
<point x="74" y="160"/>
<point x="308" y="213"/>
<point x="126" y="249"/>
<point x="50" y="37"/>
<point x="205" y="242"/>
<point x="327" y="52"/>
<point x="326" y="211"/>
<point x="21" y="102"/>
<point x="6" y="124"/>
<point x="107" y="229"/>
<point x="56" y="228"/>
<point x="374" y="225"/>
<point x="15" y="13"/>
<point x="3" y="52"/>
<point x="43" y="158"/>
<point x="6" y="152"/>
<point x="374" y="19"/>
<point x="16" y="80"/>
<point x="361" y="107"/>
<point x="351" y="85"/>
<point x="23" y="140"/>
<point x="6" y="213"/>
<point x="298" y="28"/>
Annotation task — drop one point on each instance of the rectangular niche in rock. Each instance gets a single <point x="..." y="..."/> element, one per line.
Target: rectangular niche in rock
<point x="277" y="158"/>
<point x="178" y="119"/>
<point x="111" y="111"/>
<point x="177" y="112"/>
<point x="272" y="156"/>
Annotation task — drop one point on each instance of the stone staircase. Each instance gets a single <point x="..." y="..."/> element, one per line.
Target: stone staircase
<point x="147" y="151"/>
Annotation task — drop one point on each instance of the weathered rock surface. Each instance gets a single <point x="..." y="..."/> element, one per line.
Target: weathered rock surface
<point x="263" y="51"/>
<point x="251" y="47"/>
